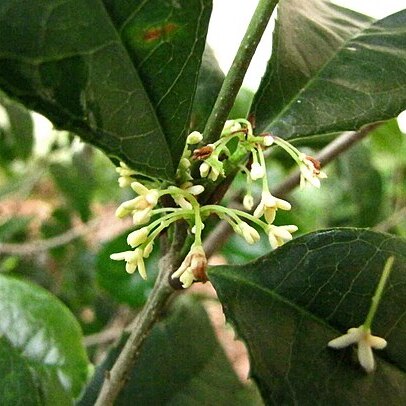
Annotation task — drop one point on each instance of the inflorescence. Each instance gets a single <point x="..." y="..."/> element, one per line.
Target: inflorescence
<point x="151" y="219"/>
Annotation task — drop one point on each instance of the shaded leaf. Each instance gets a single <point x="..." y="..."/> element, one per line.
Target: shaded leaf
<point x="17" y="383"/>
<point x="12" y="227"/>
<point x="46" y="336"/>
<point x="289" y="304"/>
<point x="17" y="139"/>
<point x="181" y="363"/>
<point x="364" y="185"/>
<point x="208" y="86"/>
<point x="76" y="182"/>
<point x="332" y="69"/>
<point x="108" y="72"/>
<point x="123" y="287"/>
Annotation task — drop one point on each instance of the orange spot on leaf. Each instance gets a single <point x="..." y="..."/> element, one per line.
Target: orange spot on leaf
<point x="155" y="33"/>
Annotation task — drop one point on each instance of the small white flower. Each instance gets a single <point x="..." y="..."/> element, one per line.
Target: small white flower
<point x="193" y="267"/>
<point x="125" y="173"/>
<point x="204" y="169"/>
<point x="268" y="140"/>
<point x="194" y="138"/>
<point x="365" y="341"/>
<point x="268" y="206"/>
<point x="185" y="163"/>
<point x="134" y="259"/>
<point x="231" y="126"/>
<point x="278" y="235"/>
<point x="310" y="171"/>
<point x="248" y="202"/>
<point x="249" y="233"/>
<point x="257" y="171"/>
<point x="141" y="206"/>
<point x="137" y="237"/>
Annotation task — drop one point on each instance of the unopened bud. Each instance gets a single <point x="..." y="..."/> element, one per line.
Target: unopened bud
<point x="194" y="138"/>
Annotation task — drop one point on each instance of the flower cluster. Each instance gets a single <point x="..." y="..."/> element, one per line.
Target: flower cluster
<point x="151" y="219"/>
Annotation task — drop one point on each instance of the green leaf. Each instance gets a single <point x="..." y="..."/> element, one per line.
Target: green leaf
<point x="181" y="363"/>
<point x="123" y="287"/>
<point x="11" y="228"/>
<point x="332" y="69"/>
<point x="17" y="383"/>
<point x="289" y="304"/>
<point x="76" y="182"/>
<point x="388" y="145"/>
<point x="208" y="86"/>
<point x="364" y="184"/>
<point x="120" y="74"/>
<point x="46" y="336"/>
<point x="17" y="139"/>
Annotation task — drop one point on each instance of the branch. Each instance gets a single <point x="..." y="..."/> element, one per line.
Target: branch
<point x="34" y="247"/>
<point x="339" y="145"/>
<point x="235" y="76"/>
<point x="342" y="143"/>
<point x="142" y="325"/>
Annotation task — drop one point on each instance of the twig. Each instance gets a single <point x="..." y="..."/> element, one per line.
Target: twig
<point x="339" y="145"/>
<point x="157" y="300"/>
<point x="104" y="337"/>
<point x="235" y="76"/>
<point x="37" y="246"/>
<point x="342" y="143"/>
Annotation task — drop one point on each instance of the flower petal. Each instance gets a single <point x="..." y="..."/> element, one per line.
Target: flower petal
<point x="365" y="356"/>
<point x="344" y="340"/>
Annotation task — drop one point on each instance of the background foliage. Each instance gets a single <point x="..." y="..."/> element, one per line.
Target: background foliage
<point x="112" y="73"/>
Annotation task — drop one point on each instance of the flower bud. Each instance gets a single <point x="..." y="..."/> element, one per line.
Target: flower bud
<point x="248" y="202"/>
<point x="137" y="237"/>
<point x="204" y="169"/>
<point x="194" y="138"/>
<point x="257" y="171"/>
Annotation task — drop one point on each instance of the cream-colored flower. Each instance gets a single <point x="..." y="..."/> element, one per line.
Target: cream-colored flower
<point x="193" y="267"/>
<point x="269" y="205"/>
<point x="137" y="237"/>
<point x="194" y="138"/>
<point x="278" y="235"/>
<point x="141" y="206"/>
<point x="126" y="174"/>
<point x="248" y="202"/>
<point x="257" y="171"/>
<point x="268" y="140"/>
<point x="249" y="233"/>
<point x="180" y="199"/>
<point x="310" y="171"/>
<point x="134" y="259"/>
<point x="365" y="342"/>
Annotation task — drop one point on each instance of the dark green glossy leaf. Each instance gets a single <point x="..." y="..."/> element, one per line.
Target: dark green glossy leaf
<point x="123" y="287"/>
<point x="17" y="383"/>
<point x="289" y="304"/>
<point x="181" y="363"/>
<point x="46" y="336"/>
<point x="120" y="74"/>
<point x="208" y="86"/>
<point x="331" y="70"/>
